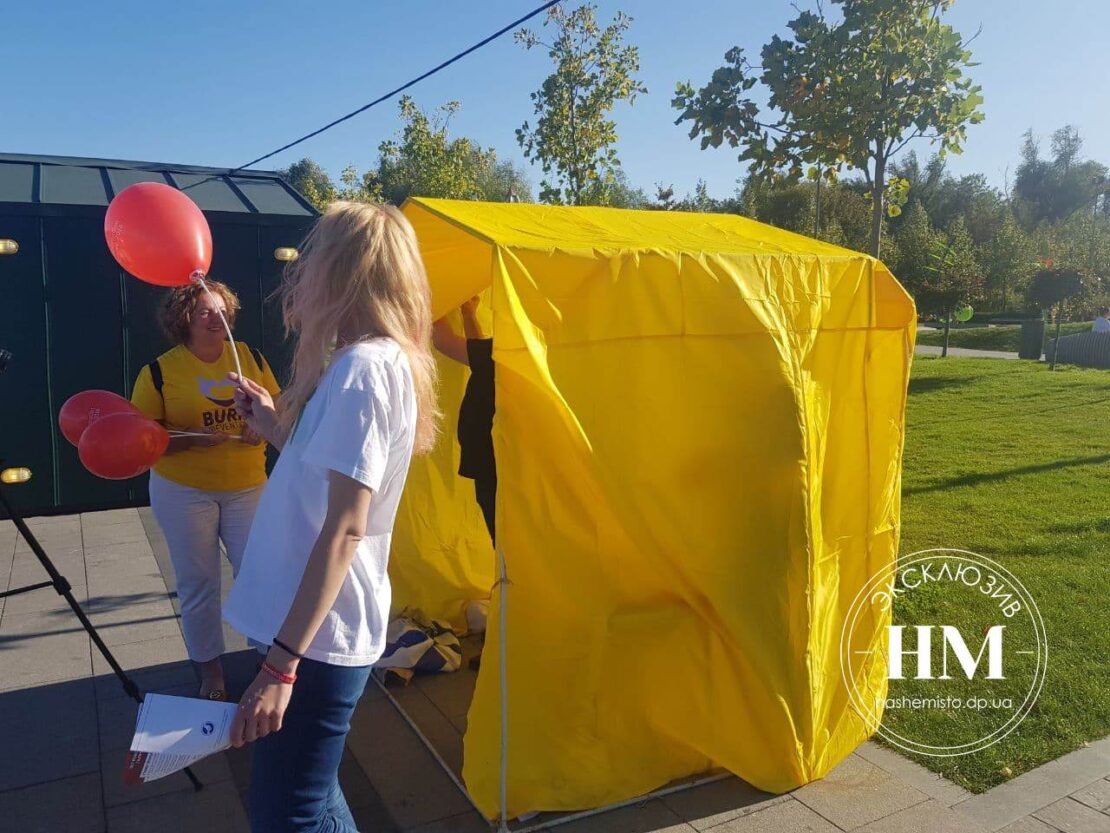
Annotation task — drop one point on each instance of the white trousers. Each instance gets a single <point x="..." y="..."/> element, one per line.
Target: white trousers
<point x="194" y="521"/>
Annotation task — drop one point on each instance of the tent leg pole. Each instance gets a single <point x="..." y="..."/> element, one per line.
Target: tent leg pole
<point x="640" y="799"/>
<point x="502" y="636"/>
<point x="424" y="740"/>
<point x="544" y="825"/>
<point x="503" y="821"/>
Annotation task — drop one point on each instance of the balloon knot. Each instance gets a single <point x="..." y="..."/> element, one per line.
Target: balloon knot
<point x="197" y="276"/>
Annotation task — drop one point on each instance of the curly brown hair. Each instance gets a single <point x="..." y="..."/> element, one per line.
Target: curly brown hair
<point x="180" y="304"/>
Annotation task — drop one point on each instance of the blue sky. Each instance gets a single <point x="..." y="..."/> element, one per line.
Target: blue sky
<point x="219" y="83"/>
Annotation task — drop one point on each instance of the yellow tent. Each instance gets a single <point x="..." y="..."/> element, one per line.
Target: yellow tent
<point x="698" y="436"/>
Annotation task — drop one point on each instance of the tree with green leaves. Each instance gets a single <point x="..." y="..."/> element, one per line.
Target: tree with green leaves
<point x="917" y="241"/>
<point x="1080" y="242"/>
<point x="1054" y="290"/>
<point x="1053" y="189"/>
<point x="953" y="276"/>
<point x="843" y="216"/>
<point x="844" y="92"/>
<point x="574" y="137"/>
<point x="500" y="180"/>
<point x="699" y="202"/>
<point x="664" y="198"/>
<point x="424" y="161"/>
<point x="356" y="187"/>
<point x="946" y="197"/>
<point x="785" y="205"/>
<point x="623" y="194"/>
<point x="1008" y="259"/>
<point x="313" y="182"/>
<point x="925" y="180"/>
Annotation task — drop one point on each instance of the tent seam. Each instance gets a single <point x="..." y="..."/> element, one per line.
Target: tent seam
<point x="452" y="221"/>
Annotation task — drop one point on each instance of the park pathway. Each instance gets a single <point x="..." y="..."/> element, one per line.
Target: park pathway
<point x="929" y="350"/>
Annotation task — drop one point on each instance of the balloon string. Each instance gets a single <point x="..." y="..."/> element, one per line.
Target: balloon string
<point x="201" y="434"/>
<point x="199" y="277"/>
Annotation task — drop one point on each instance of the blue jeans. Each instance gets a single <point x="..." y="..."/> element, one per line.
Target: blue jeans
<point x="295" y="780"/>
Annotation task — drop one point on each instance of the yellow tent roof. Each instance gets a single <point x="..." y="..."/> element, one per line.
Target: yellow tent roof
<point x="459" y="240"/>
<point x="606" y="230"/>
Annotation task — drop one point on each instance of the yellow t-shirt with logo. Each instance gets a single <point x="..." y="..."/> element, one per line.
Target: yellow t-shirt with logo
<point x="197" y="396"/>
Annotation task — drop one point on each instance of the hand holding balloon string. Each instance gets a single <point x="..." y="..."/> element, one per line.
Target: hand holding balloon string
<point x="256" y="406"/>
<point x="206" y="439"/>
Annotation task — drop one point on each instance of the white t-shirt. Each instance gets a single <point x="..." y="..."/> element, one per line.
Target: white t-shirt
<point x="360" y="422"/>
<point x="1101" y="325"/>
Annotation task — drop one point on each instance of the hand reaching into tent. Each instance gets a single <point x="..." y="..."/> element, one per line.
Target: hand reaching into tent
<point x="450" y="343"/>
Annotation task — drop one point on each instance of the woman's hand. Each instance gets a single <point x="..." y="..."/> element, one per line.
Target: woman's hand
<point x="261" y="709"/>
<point x="448" y="342"/>
<point x="469" y="311"/>
<point x="214" y="438"/>
<point x="256" y="406"/>
<point x="250" y="436"/>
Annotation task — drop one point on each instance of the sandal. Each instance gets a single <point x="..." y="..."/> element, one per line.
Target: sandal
<point x="217" y="694"/>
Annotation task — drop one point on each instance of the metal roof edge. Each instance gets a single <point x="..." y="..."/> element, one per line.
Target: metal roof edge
<point x="123" y="164"/>
<point x="39" y="163"/>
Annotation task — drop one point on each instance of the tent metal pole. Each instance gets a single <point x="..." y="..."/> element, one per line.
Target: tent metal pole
<point x="550" y="823"/>
<point x="640" y="799"/>
<point x="502" y="639"/>
<point x="424" y="740"/>
<point x="503" y="821"/>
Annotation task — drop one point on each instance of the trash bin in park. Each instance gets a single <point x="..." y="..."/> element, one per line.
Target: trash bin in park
<point x="1032" y="339"/>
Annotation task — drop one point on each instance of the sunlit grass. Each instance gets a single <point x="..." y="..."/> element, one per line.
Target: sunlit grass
<point x="1011" y="460"/>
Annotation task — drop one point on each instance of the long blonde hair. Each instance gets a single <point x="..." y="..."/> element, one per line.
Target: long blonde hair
<point x="360" y="276"/>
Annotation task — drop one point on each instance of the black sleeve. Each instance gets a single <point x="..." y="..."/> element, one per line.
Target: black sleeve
<point x="479" y="355"/>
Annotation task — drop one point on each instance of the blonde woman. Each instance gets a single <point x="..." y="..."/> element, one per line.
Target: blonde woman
<point x="205" y="488"/>
<point x="313" y="583"/>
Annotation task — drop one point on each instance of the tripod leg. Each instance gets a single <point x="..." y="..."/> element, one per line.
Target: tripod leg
<point x="63" y="588"/>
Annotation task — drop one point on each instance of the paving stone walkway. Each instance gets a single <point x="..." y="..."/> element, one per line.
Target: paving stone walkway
<point x="930" y="350"/>
<point x="65" y="724"/>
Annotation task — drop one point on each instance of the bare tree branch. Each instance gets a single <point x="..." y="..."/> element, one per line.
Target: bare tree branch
<point x="969" y="41"/>
<point x="919" y="134"/>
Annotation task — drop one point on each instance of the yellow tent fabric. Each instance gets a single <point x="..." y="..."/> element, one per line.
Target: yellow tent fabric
<point x="698" y="436"/>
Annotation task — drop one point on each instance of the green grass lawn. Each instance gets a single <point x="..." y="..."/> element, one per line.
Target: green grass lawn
<point x="1010" y="460"/>
<point x="1002" y="337"/>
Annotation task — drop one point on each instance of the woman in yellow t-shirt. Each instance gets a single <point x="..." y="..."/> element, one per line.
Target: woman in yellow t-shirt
<point x="205" y="489"/>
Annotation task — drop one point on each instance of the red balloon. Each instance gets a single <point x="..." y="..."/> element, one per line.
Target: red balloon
<point x="121" y="446"/>
<point x="85" y="408"/>
<point x="158" y="234"/>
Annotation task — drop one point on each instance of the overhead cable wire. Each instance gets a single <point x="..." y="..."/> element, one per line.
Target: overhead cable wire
<point x="403" y="87"/>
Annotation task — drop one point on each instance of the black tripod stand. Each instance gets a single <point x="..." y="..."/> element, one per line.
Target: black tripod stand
<point x="63" y="588"/>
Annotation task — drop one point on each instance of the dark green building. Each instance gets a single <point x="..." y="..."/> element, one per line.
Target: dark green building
<point x="73" y="320"/>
